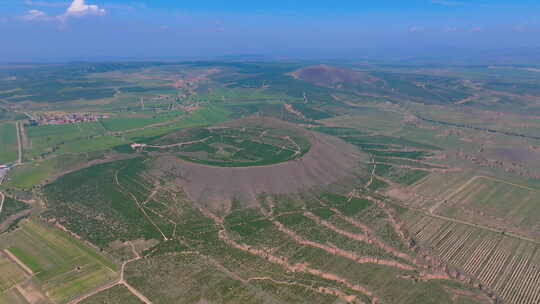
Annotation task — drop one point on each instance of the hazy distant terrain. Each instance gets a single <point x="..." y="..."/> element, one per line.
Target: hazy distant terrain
<point x="269" y="182"/>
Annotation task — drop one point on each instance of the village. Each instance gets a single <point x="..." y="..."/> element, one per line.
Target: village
<point x="60" y="118"/>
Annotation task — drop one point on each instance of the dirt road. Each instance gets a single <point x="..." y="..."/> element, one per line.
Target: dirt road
<point x="19" y="142"/>
<point x="120" y="281"/>
<point x="2" y="199"/>
<point x="470" y="181"/>
<point x="179" y="144"/>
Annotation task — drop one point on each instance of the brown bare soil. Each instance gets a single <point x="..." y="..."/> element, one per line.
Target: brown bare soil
<point x="329" y="160"/>
<point x="337" y="251"/>
<point x="30" y="293"/>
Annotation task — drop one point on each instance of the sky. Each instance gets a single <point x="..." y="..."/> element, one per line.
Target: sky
<point x="67" y="30"/>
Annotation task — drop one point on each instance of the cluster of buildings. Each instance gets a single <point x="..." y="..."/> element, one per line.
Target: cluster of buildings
<point x="60" y="118"/>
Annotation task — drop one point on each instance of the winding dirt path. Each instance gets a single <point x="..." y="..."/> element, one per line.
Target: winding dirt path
<point x="438" y="272"/>
<point x="369" y="236"/>
<point x="372" y="173"/>
<point x="20" y="130"/>
<point x="266" y="253"/>
<point x="343" y="253"/>
<point x="320" y="289"/>
<point x="139" y="205"/>
<point x="120" y="281"/>
<point x="179" y="144"/>
<point x="2" y="199"/>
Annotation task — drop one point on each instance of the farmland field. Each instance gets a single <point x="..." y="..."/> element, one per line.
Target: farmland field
<point x="8" y="143"/>
<point x="63" y="266"/>
<point x="139" y="121"/>
<point x="32" y="174"/>
<point x="507" y="265"/>
<point x="499" y="202"/>
<point x="11" y="274"/>
<point x="46" y="139"/>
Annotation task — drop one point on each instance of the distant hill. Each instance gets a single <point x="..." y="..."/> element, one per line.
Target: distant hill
<point x="325" y="75"/>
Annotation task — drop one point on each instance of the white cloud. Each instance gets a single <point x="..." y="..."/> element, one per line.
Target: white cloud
<point x="80" y="8"/>
<point x="77" y="8"/>
<point x="35" y="15"/>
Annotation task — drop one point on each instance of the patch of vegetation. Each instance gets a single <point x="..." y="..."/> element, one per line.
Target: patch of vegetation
<point x="378" y="184"/>
<point x="11" y="207"/>
<point x="32" y="174"/>
<point x="236" y="146"/>
<point x="111" y="213"/>
<point x="118" y="294"/>
<point x="401" y="176"/>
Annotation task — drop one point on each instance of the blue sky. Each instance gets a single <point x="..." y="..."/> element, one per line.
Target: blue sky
<point x="62" y="30"/>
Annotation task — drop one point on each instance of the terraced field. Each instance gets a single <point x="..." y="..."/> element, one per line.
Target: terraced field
<point x="326" y="249"/>
<point x="507" y="265"/>
<point x="60" y="266"/>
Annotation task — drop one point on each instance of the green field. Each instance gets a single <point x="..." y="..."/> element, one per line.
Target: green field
<point x="63" y="266"/>
<point x="92" y="144"/>
<point x="205" y="116"/>
<point x="140" y="120"/>
<point x="31" y="174"/>
<point x="8" y="143"/>
<point x="47" y="139"/>
<point x="512" y="204"/>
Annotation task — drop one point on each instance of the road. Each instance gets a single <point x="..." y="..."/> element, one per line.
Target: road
<point x="462" y="125"/>
<point x="2" y="199"/>
<point x="19" y="143"/>
<point x="427" y="213"/>
<point x="19" y="161"/>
